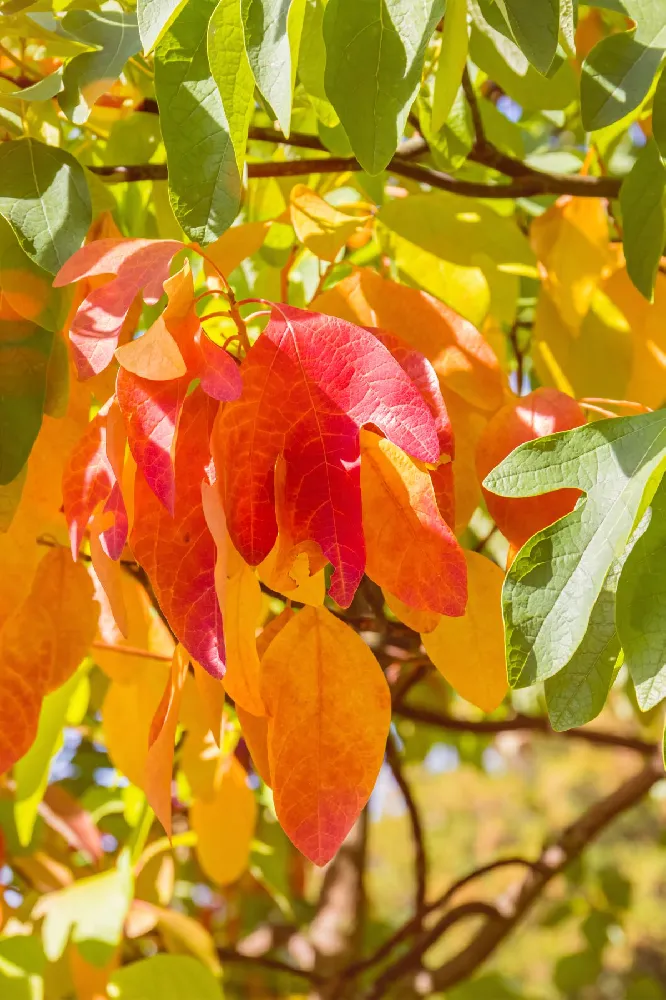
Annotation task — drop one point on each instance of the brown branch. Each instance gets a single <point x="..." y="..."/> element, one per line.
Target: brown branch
<point x="268" y="963"/>
<point x="553" y="860"/>
<point x="527" y="184"/>
<point x="521" y="723"/>
<point x="473" y="104"/>
<point x="418" y="838"/>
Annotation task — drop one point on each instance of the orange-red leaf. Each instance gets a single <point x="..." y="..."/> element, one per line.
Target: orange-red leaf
<point x="411" y="551"/>
<point x="309" y="384"/>
<point x="178" y="553"/>
<point x="92" y="477"/>
<point x="133" y="266"/>
<point x="329" y="710"/>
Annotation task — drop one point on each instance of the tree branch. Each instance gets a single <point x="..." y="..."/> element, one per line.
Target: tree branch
<point x="554" y="858"/>
<point x="418" y="839"/>
<point x="521" y="723"/>
<point x="527" y="183"/>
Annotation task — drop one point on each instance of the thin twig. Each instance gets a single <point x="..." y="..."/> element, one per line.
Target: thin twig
<point x="145" y="654"/>
<point x="519" y="723"/>
<point x="266" y="962"/>
<point x="418" y="837"/>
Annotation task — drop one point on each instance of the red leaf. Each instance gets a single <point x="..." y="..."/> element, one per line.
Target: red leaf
<point x="137" y="266"/>
<point x="92" y="476"/>
<point x="309" y="384"/>
<point x="178" y="553"/>
<point x="220" y="375"/>
<point x="152" y="411"/>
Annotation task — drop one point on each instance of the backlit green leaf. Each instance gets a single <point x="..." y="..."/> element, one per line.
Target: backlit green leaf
<point x="266" y="30"/>
<point x="154" y="18"/>
<point x="535" y="26"/>
<point x="231" y="71"/>
<point x="644" y="219"/>
<point x="164" y="977"/>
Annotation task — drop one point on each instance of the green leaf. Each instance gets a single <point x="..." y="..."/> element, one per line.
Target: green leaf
<point x="659" y="115"/>
<point x="641" y="600"/>
<point x="312" y="62"/>
<point x="374" y="57"/>
<point x="505" y="63"/>
<point x="25" y="288"/>
<point x="164" y="977"/>
<point x="553" y="585"/>
<point x="568" y="17"/>
<point x="92" y="911"/>
<point x="644" y="219"/>
<point x="618" y="72"/>
<point x="452" y="59"/>
<point x="154" y="18"/>
<point x="22" y="967"/>
<point x="576" y="694"/>
<point x="204" y="182"/>
<point x="10" y="497"/>
<point x="86" y="77"/>
<point x="31" y="772"/>
<point x="266" y="30"/>
<point x="25" y="352"/>
<point x="44" y="89"/>
<point x="232" y="73"/>
<point x="535" y="26"/>
<point x="45" y="199"/>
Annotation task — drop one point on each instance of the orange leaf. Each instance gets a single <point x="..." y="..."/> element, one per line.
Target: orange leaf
<point x="419" y="621"/>
<point x="232" y="247"/>
<point x="64" y="590"/>
<point x="155" y="355"/>
<point x="27" y="655"/>
<point x="159" y="760"/>
<point x="242" y="609"/>
<point x="329" y="711"/>
<point x="460" y="355"/>
<point x="469" y="651"/>
<point x="411" y="551"/>
<point x="225" y="826"/>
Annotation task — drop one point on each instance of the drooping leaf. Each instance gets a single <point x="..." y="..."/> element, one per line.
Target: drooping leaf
<point x="308" y="405"/>
<point x="192" y="117"/>
<point x="137" y="266"/>
<point x="329" y="711"/>
<point x="411" y="551"/>
<point x="267" y="43"/>
<point x="618" y="72"/>
<point x="312" y="62"/>
<point x="178" y="552"/>
<point x="614" y="462"/>
<point x="452" y="59"/>
<point x="25" y="354"/>
<point x="374" y="57"/>
<point x="232" y="73"/>
<point x="242" y="609"/>
<point x="44" y="197"/>
<point x="225" y="826"/>
<point x="127" y="713"/>
<point x="159" y="760"/>
<point x="469" y="650"/>
<point x="644" y="217"/>
<point x="154" y="356"/>
<point x="535" y="27"/>
<point x="114" y="38"/>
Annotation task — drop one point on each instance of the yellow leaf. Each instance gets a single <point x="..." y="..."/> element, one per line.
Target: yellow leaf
<point x="127" y="712"/>
<point x="323" y="229"/>
<point x="234" y="246"/>
<point x="107" y="575"/>
<point x="469" y="651"/>
<point x="329" y="710"/>
<point x="242" y="611"/>
<point x="145" y="631"/>
<point x="159" y="759"/>
<point x="202" y="762"/>
<point x="572" y="244"/>
<point x="225" y="826"/>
